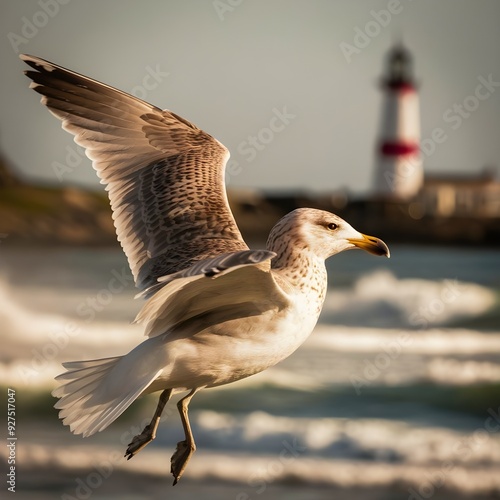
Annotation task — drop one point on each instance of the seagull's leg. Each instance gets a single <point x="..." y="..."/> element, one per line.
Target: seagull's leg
<point x="149" y="432"/>
<point x="184" y="448"/>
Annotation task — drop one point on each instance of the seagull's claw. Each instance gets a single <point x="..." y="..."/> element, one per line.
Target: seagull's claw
<point x="139" y="442"/>
<point x="180" y="459"/>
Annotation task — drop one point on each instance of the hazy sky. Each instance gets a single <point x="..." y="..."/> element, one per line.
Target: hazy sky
<point x="241" y="68"/>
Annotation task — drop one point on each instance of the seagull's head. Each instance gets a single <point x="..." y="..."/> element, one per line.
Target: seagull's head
<point x="323" y="233"/>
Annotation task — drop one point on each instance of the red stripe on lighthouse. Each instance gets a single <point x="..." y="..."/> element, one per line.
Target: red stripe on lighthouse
<point x="398" y="148"/>
<point x="402" y="87"/>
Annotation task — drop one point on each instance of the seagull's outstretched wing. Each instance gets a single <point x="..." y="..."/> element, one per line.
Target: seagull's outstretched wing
<point x="165" y="176"/>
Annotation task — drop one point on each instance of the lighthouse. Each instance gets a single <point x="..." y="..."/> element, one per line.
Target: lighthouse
<point x="399" y="173"/>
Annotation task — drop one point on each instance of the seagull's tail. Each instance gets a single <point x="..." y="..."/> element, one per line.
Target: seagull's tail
<point x="96" y="392"/>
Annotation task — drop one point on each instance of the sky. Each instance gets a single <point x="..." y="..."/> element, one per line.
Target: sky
<point x="290" y="87"/>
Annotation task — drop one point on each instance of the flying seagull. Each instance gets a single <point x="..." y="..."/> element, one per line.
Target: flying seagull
<point x="216" y="311"/>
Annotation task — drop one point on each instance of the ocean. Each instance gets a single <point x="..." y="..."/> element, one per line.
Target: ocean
<point x="396" y="394"/>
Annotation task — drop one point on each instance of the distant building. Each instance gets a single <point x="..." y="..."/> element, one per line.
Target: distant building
<point x="460" y="195"/>
<point x="399" y="173"/>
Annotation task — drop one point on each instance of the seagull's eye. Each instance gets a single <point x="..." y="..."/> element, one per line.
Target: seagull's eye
<point x="332" y="226"/>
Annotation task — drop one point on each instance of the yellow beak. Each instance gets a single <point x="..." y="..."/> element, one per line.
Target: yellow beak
<point x="371" y="244"/>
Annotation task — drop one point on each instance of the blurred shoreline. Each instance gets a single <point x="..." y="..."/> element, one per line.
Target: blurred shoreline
<point x="69" y="216"/>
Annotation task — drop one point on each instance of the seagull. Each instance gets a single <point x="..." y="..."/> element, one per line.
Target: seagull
<point x="216" y="311"/>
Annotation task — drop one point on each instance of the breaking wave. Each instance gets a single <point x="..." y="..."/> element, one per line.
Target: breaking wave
<point x="379" y="299"/>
